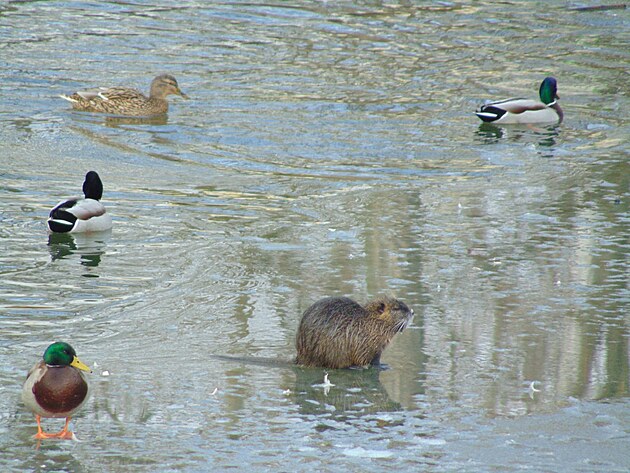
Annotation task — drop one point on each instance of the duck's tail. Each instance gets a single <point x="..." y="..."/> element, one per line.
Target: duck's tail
<point x="69" y="99"/>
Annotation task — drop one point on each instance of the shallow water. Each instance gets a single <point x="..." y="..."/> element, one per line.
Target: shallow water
<point x="328" y="148"/>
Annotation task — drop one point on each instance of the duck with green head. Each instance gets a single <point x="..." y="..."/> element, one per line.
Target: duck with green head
<point x="56" y="387"/>
<point x="526" y="110"/>
<point x="127" y="101"/>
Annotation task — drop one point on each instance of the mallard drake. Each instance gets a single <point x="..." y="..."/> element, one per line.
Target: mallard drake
<point x="56" y="387"/>
<point x="78" y="214"/>
<point x="526" y="110"/>
<point x="127" y="101"/>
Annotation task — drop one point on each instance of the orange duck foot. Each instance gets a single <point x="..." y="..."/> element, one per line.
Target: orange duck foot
<point x="63" y="434"/>
<point x="67" y="435"/>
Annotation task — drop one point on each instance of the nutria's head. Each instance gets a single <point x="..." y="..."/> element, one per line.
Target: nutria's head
<point x="390" y="310"/>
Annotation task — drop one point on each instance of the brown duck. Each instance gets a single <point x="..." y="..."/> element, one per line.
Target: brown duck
<point x="127" y="101"/>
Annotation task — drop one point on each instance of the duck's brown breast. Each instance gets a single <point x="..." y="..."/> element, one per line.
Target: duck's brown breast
<point x="61" y="389"/>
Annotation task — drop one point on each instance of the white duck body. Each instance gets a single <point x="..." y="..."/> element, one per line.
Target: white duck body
<point x="518" y="111"/>
<point x="525" y="111"/>
<point x="80" y="215"/>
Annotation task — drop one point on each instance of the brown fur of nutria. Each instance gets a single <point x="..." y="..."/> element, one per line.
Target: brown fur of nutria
<point x="337" y="332"/>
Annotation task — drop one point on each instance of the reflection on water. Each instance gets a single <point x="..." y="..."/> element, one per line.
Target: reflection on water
<point x="89" y="247"/>
<point x="353" y="393"/>
<point x="330" y="149"/>
<point x="118" y="121"/>
<point x="490" y="133"/>
<point x="543" y="136"/>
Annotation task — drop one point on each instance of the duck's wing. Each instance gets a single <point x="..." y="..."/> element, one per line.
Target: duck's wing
<point x="105" y="94"/>
<point x="495" y="110"/>
<point x="516" y="106"/>
<point x="85" y="209"/>
<point x="37" y="366"/>
<point x="111" y="94"/>
<point x="64" y="206"/>
<point x="61" y="219"/>
<point x="90" y="94"/>
<point x="64" y="215"/>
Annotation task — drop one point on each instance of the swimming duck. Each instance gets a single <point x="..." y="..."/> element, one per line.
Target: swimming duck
<point x="526" y="110"/>
<point x="78" y="214"/>
<point x="56" y="387"/>
<point x="127" y="101"/>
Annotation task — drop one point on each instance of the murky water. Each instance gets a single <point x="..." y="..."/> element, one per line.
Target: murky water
<point x="329" y="148"/>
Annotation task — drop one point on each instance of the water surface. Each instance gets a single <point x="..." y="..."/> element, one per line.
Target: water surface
<point x="329" y="148"/>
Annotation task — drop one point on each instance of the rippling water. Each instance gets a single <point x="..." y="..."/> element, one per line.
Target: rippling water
<point x="328" y="148"/>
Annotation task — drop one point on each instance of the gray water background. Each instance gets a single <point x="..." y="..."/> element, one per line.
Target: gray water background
<point x="328" y="148"/>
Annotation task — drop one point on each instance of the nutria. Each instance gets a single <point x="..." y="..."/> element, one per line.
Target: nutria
<point x="336" y="332"/>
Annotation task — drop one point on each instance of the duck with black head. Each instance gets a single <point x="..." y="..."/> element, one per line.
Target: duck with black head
<point x="82" y="214"/>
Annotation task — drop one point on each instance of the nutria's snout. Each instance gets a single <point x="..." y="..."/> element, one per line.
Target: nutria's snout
<point x="406" y="319"/>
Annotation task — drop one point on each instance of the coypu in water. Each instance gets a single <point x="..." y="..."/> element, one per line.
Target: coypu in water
<point x="336" y="332"/>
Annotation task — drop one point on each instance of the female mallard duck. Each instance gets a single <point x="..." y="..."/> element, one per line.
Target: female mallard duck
<point x="526" y="110"/>
<point x="127" y="101"/>
<point x="55" y="387"/>
<point x="82" y="214"/>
